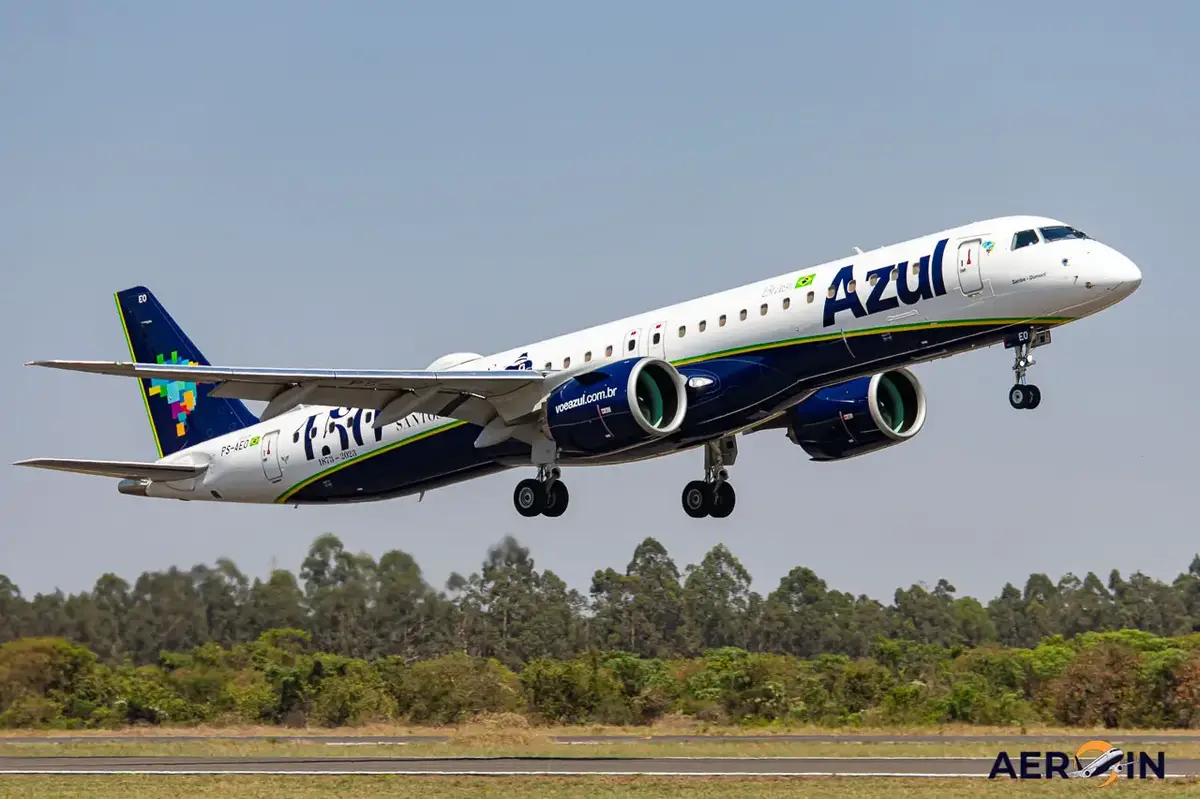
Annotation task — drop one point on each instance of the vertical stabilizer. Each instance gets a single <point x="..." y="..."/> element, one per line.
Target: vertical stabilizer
<point x="182" y="414"/>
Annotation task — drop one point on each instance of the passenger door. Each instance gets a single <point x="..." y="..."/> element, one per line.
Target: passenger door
<point x="268" y="449"/>
<point x="632" y="346"/>
<point x="658" y="340"/>
<point x="970" y="279"/>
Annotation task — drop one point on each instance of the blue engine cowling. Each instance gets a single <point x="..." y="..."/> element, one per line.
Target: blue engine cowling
<point x="616" y="406"/>
<point x="859" y="416"/>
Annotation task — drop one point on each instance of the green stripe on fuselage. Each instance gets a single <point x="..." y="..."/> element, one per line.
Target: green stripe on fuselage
<point x="1047" y="320"/>
<point x="286" y="495"/>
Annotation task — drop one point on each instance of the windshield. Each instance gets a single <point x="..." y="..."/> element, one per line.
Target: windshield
<point x="1062" y="232"/>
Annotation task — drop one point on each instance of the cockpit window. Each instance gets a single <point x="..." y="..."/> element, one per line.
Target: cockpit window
<point x="1062" y="232"/>
<point x="1024" y="239"/>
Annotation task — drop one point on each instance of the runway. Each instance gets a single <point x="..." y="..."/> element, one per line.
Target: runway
<point x="944" y="767"/>
<point x="831" y="738"/>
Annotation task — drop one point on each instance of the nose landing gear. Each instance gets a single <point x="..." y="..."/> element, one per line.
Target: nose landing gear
<point x="1024" y="395"/>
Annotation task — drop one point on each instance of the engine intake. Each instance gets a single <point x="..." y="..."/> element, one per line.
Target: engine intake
<point x="616" y="406"/>
<point x="859" y="416"/>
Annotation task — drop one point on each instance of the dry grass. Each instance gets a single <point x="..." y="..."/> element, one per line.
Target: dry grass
<point x="480" y="745"/>
<point x="305" y="787"/>
<point x="516" y="728"/>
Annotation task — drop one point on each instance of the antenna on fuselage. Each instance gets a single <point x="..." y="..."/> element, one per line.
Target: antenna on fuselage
<point x="860" y="252"/>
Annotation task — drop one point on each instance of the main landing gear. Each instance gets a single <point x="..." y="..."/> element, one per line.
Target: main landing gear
<point x="545" y="496"/>
<point x="1023" y="395"/>
<point x="714" y="495"/>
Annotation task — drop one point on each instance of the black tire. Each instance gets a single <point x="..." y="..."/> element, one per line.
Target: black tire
<point x="1018" y="396"/>
<point x="723" y="502"/>
<point x="556" y="500"/>
<point x="1035" y="397"/>
<point x="529" y="498"/>
<point x="696" y="499"/>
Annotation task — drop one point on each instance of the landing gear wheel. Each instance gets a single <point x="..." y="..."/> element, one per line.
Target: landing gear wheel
<point x="723" y="500"/>
<point x="1024" y="397"/>
<point x="556" y="500"/>
<point x="697" y="499"/>
<point x="529" y="498"/>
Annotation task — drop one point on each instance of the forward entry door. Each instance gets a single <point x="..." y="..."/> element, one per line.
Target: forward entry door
<point x="269" y="450"/>
<point x="970" y="279"/>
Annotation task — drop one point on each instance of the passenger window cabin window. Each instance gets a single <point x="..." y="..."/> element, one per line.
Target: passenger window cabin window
<point x="895" y="273"/>
<point x="721" y="321"/>
<point x="787" y="303"/>
<point x="832" y="292"/>
<point x="549" y="366"/>
<point x="873" y="279"/>
<point x="811" y="297"/>
<point x="852" y="287"/>
<point x="1024" y="239"/>
<point x="566" y="362"/>
<point x="743" y="315"/>
<point x="682" y="330"/>
<point x="916" y="267"/>
<point x="587" y="356"/>
<point x="608" y="351"/>
<point x="702" y="325"/>
<point x="762" y="311"/>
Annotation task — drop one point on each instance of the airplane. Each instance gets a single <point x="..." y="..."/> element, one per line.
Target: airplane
<point x="823" y="353"/>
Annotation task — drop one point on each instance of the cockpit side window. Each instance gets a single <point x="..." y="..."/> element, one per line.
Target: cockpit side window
<point x="1060" y="232"/>
<point x="1024" y="239"/>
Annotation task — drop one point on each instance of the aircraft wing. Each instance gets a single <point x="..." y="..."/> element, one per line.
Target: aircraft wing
<point x="473" y="396"/>
<point x="128" y="469"/>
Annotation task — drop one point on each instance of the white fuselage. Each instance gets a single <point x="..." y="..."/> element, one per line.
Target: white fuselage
<point x="985" y="280"/>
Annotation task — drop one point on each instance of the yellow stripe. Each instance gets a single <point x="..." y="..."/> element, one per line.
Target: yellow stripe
<point x="1047" y="320"/>
<point x="285" y="496"/>
<point x="141" y="386"/>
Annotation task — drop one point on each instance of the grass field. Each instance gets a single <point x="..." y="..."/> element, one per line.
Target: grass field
<point x="536" y="747"/>
<point x="302" y="787"/>
<point x="509" y="723"/>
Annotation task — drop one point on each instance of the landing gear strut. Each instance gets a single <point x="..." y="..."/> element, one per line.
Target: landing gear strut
<point x="1023" y="395"/>
<point x="545" y="496"/>
<point x="714" y="495"/>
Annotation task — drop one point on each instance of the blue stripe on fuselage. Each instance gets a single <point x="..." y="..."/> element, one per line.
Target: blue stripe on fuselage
<point x="747" y="387"/>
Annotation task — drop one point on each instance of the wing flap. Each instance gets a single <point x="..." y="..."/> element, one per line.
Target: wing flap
<point x="131" y="470"/>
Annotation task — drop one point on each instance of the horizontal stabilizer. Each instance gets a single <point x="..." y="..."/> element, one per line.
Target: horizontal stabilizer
<point x="131" y="470"/>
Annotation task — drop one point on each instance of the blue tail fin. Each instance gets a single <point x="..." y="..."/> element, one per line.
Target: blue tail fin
<point x="181" y="414"/>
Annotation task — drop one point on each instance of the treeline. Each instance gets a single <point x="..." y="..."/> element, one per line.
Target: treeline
<point x="351" y="640"/>
<point x="1121" y="679"/>
<point x="354" y="606"/>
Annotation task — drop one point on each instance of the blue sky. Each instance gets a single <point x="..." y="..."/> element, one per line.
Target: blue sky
<point x="377" y="184"/>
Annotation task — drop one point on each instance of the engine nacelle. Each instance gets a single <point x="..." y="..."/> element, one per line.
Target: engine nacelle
<point x="616" y="406"/>
<point x="859" y="416"/>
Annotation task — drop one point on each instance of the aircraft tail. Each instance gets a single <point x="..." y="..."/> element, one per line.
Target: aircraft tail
<point x="182" y="414"/>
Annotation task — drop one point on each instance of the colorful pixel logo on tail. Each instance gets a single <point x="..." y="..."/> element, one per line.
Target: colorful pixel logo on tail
<point x="180" y="394"/>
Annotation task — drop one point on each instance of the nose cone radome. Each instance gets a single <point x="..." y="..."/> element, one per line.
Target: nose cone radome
<point x="1116" y="273"/>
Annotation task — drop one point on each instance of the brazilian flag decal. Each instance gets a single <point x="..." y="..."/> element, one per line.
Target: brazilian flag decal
<point x="805" y="280"/>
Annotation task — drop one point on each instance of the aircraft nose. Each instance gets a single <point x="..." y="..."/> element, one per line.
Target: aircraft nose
<point x="1117" y="273"/>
